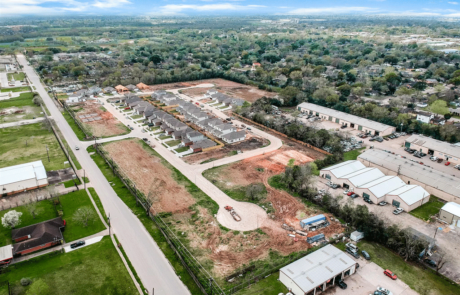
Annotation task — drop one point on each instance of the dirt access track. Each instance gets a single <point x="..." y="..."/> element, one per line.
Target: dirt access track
<point x="233" y="89"/>
<point x="282" y="207"/>
<point x="99" y="121"/>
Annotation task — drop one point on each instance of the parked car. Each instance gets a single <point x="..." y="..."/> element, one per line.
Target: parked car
<point x="430" y="262"/>
<point x="342" y="284"/>
<point x="398" y="211"/>
<point x="248" y="128"/>
<point x="366" y="255"/>
<point x="368" y="201"/>
<point x="383" y="203"/>
<point x="439" y="160"/>
<point x="351" y="246"/>
<point x="77" y="148"/>
<point x="390" y="274"/>
<point x="377" y="293"/>
<point x="77" y="244"/>
<point x="354" y="196"/>
<point x="417" y="155"/>
<point x="384" y="291"/>
<point x="345" y="192"/>
<point x="422" y="154"/>
<point x="343" y="126"/>
<point x="433" y="158"/>
<point x="350" y="193"/>
<point x="353" y="253"/>
<point x="447" y="163"/>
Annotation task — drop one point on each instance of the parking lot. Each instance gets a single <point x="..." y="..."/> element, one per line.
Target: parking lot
<point x="366" y="280"/>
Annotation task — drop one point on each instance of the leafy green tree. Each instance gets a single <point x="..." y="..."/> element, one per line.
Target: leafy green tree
<point x="39" y="287"/>
<point x="439" y="107"/>
<point x="328" y="94"/>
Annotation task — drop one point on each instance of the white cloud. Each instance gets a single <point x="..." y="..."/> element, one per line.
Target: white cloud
<point x="174" y="9"/>
<point x="453" y="3"/>
<point x="412" y="13"/>
<point x="110" y="3"/>
<point x="331" y="10"/>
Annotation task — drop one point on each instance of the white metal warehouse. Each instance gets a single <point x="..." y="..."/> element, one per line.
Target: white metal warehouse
<point x="450" y="213"/>
<point x="355" y="122"/>
<point x="317" y="271"/>
<point x="373" y="184"/>
<point x="441" y="149"/>
<point x="22" y="177"/>
<point x="437" y="183"/>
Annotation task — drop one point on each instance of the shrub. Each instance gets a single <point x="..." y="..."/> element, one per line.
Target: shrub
<point x="25" y="281"/>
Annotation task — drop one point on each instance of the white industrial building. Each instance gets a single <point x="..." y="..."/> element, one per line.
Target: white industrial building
<point x="373" y="184"/>
<point x="450" y="213"/>
<point x="19" y="178"/>
<point x="433" y="147"/>
<point x="352" y="121"/>
<point x="317" y="271"/>
<point x="437" y="183"/>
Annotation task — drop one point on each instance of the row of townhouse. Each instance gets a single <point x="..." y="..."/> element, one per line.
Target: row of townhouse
<point x="223" y="98"/>
<point x="167" y="98"/>
<point x="227" y="132"/>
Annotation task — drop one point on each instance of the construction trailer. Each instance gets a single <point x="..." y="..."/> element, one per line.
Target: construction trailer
<point x="317" y="238"/>
<point x="314" y="223"/>
<point x="356" y="236"/>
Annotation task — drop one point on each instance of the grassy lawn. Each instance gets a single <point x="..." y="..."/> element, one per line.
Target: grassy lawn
<point x="133" y="270"/>
<point x="269" y="285"/>
<point x="424" y="281"/>
<point x="182" y="149"/>
<point x="164" y="137"/>
<point x="16" y="89"/>
<point x="62" y="96"/>
<point x="95" y="269"/>
<point x="173" y="142"/>
<point x="352" y="155"/>
<point x="136" y="117"/>
<point x="77" y="181"/>
<point x="71" y="202"/>
<point x="428" y="209"/>
<point x="223" y="107"/>
<point x="45" y="211"/>
<point x="98" y="202"/>
<point x="125" y="195"/>
<point x="128" y="110"/>
<point x="14" y="151"/>
<point x="24" y="103"/>
<point x="78" y="132"/>
<point x="69" y="149"/>
<point x="18" y="77"/>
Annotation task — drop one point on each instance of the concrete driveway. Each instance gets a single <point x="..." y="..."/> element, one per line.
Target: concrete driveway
<point x="366" y="280"/>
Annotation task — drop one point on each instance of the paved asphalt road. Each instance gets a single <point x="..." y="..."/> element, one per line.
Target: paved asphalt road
<point x="148" y="260"/>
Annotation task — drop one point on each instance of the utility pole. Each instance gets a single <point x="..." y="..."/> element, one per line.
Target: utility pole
<point x="47" y="152"/>
<point x="108" y="222"/>
<point x="399" y="169"/>
<point x="210" y="285"/>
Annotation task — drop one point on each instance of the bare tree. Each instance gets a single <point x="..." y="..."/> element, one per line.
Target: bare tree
<point x="32" y="209"/>
<point x="84" y="215"/>
<point x="410" y="246"/>
<point x="441" y="258"/>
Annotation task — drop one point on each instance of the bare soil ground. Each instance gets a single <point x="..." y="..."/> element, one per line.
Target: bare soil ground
<point x="150" y="176"/>
<point x="107" y="126"/>
<point x="287" y="209"/>
<point x="195" y="92"/>
<point x="228" y="150"/>
<point x="234" y="89"/>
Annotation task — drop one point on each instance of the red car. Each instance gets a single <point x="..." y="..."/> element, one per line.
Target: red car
<point x="197" y="103"/>
<point x="127" y="108"/>
<point x="447" y="163"/>
<point x="350" y="193"/>
<point x="390" y="274"/>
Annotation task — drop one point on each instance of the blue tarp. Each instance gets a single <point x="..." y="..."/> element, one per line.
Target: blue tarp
<point x="313" y="219"/>
<point x="315" y="238"/>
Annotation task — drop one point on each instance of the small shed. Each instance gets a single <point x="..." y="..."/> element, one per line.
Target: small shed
<point x="450" y="213"/>
<point x="356" y="236"/>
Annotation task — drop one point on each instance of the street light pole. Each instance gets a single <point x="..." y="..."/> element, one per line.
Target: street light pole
<point x="401" y="126"/>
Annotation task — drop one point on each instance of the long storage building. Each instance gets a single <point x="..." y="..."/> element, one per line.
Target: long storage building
<point x="433" y="147"/>
<point x="19" y="178"/>
<point x="317" y="271"/>
<point x="355" y="122"/>
<point x="435" y="182"/>
<point x="371" y="183"/>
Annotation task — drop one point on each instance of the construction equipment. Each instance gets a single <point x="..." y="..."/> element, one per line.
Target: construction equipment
<point x="287" y="227"/>
<point x="233" y="213"/>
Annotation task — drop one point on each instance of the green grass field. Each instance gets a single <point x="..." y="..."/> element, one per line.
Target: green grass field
<point x="18" y="77"/>
<point x="17" y="89"/>
<point x="28" y="143"/>
<point x="23" y="102"/>
<point x="70" y="203"/>
<point x="428" y="209"/>
<point x="269" y="285"/>
<point x="182" y="149"/>
<point x="352" y="155"/>
<point x="172" y="143"/>
<point x="78" y="132"/>
<point x="424" y="281"/>
<point x="98" y="202"/>
<point x="95" y="269"/>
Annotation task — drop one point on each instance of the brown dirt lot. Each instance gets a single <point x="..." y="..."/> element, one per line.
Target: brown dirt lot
<point x="195" y="92"/>
<point x="234" y="89"/>
<point x="107" y="126"/>
<point x="287" y="209"/>
<point x="150" y="176"/>
<point x="228" y="150"/>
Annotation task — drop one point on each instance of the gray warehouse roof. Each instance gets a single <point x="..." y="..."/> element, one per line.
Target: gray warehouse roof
<point x="434" y="178"/>
<point x="316" y="268"/>
<point x="436" y="145"/>
<point x="346" y="117"/>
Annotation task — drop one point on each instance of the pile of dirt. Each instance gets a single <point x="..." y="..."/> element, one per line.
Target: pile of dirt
<point x="150" y="176"/>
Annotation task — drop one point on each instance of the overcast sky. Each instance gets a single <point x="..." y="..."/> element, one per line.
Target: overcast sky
<point x="435" y="8"/>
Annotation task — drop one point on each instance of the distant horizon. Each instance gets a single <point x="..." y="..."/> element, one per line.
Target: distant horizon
<point x="209" y="8"/>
